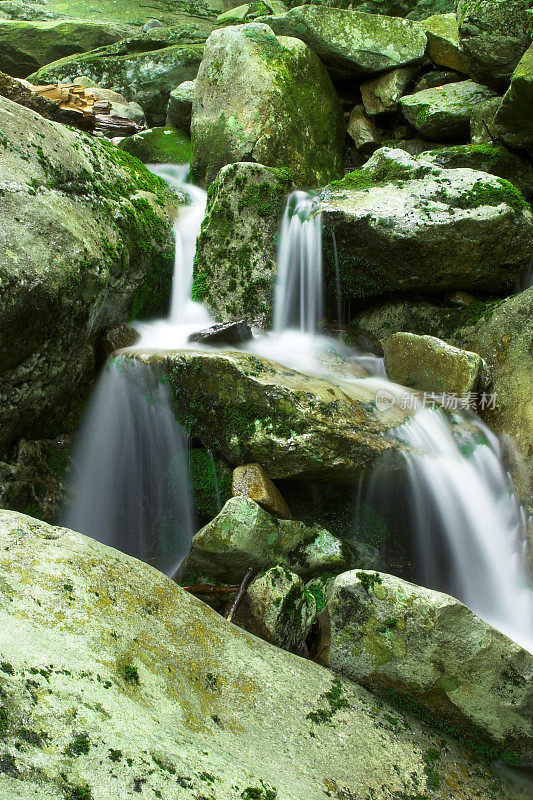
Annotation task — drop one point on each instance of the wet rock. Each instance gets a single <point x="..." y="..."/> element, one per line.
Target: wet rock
<point x="225" y="333"/>
<point x="513" y="120"/>
<point x="235" y="265"/>
<point x="179" y="108"/>
<point x="363" y="132"/>
<point x="494" y="36"/>
<point x="245" y="536"/>
<point x="444" y="113"/>
<point x="252" y="481"/>
<point x="431" y="365"/>
<point x="288" y="113"/>
<point x="351" y="43"/>
<point x="278" y="608"/>
<point x="168" y="693"/>
<point x="117" y="338"/>
<point x="248" y="409"/>
<point x="159" y="146"/>
<point x="26" y="45"/>
<point x="144" y="68"/>
<point x="68" y="272"/>
<point x="381" y="95"/>
<point x="403" y="223"/>
<point x="443" y="46"/>
<point x="432" y="654"/>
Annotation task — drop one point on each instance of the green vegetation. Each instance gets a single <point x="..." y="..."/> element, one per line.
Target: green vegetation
<point x="335" y="700"/>
<point x="131" y="674"/>
<point x="369" y="580"/>
<point x="80" y="745"/>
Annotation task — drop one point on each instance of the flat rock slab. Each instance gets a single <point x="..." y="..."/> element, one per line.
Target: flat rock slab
<point x="126" y="686"/>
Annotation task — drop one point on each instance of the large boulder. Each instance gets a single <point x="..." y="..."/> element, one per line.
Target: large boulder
<point x="513" y="120"/>
<point x="179" y="108"/>
<point x="443" y="113"/>
<point x="352" y="44"/>
<point x="85" y="241"/>
<point x="261" y="98"/>
<point x="412" y="9"/>
<point x="443" y="46"/>
<point x="494" y="35"/>
<point x="159" y="146"/>
<point x="428" y="364"/>
<point x="117" y="683"/>
<point x="144" y="68"/>
<point x="402" y="224"/>
<point x="430" y="653"/>
<point x="235" y="264"/>
<point x="249" y="409"/>
<point x="245" y="536"/>
<point x="26" y="46"/>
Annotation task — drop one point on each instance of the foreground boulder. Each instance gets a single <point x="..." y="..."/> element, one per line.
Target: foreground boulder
<point x="245" y="536"/>
<point x="402" y="224"/>
<point x="117" y="683"/>
<point x="235" y="264"/>
<point x="260" y="98"/>
<point x="249" y="409"/>
<point x="86" y="243"/>
<point x="144" y="68"/>
<point x="350" y="43"/>
<point x="431" y="365"/>
<point x="427" y="650"/>
<point x="494" y="35"/>
<point x="444" y="113"/>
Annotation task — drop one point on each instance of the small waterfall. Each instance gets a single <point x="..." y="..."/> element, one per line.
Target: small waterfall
<point x="130" y="482"/>
<point x="526" y="279"/>
<point x="460" y="512"/>
<point x="298" y="300"/>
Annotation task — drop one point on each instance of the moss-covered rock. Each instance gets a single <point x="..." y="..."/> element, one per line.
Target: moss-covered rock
<point x="159" y="146"/>
<point x="85" y="229"/>
<point x="443" y="113"/>
<point x="249" y="409"/>
<point x="350" y="43"/>
<point x="433" y="656"/>
<point x="382" y="94"/>
<point x="266" y="99"/>
<point x="403" y="224"/>
<point x="235" y="265"/>
<point x="144" y="68"/>
<point x="412" y="9"/>
<point x="513" y="120"/>
<point x="443" y="46"/>
<point x="494" y="35"/>
<point x="25" y="46"/>
<point x="431" y="365"/>
<point x="130" y="12"/>
<point x="245" y="536"/>
<point x="117" y="683"/>
<point x="249" y="12"/>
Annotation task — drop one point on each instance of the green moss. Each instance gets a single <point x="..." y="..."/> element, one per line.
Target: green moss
<point x="262" y="792"/>
<point x="318" y="593"/>
<point x="31" y="737"/>
<point x="335" y="700"/>
<point x="79" y="746"/>
<point x="6" y="667"/>
<point x="115" y="755"/>
<point x="485" y="194"/>
<point x="131" y="674"/>
<point x="4" y="720"/>
<point x="369" y="580"/>
<point x="80" y="792"/>
<point x="210" y="482"/>
<point x="159" y="146"/>
<point x="432" y="776"/>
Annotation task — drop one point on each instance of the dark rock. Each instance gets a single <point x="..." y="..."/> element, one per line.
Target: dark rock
<point x="224" y="333"/>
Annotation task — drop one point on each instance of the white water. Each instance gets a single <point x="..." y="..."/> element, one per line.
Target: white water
<point x="457" y="501"/>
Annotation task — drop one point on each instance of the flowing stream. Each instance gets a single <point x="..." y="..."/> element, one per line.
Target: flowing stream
<point x="131" y="486"/>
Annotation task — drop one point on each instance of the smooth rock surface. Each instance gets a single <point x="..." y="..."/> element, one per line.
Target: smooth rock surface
<point x="86" y="243"/>
<point x="402" y="224"/>
<point x="223" y="333"/>
<point x="444" y="113"/>
<point x="431" y="365"/>
<point x="251" y="480"/>
<point x="262" y="98"/>
<point x="443" y="46"/>
<point x="404" y="641"/>
<point x="513" y="120"/>
<point x="235" y="265"/>
<point x="137" y="688"/>
<point x="179" y="108"/>
<point x="382" y="94"/>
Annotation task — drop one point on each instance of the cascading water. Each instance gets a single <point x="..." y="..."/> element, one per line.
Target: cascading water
<point x="298" y="300"/>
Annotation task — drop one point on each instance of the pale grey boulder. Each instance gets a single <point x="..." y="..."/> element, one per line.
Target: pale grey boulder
<point x="266" y="99"/>
<point x="381" y="95"/>
<point x="430" y="652"/>
<point x="179" y="108"/>
<point x="117" y="683"/>
<point x="444" y="113"/>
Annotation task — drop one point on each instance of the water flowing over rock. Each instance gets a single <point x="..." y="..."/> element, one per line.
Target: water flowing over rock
<point x="404" y="224"/>
<point x="494" y="35"/>
<point x="235" y="266"/>
<point x="246" y="408"/>
<point x="433" y="655"/>
<point x="262" y="98"/>
<point x="350" y="43"/>
<point x="171" y="698"/>
<point x="85" y="230"/>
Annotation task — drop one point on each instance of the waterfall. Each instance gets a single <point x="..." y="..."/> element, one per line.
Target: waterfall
<point x="130" y="481"/>
<point x="298" y="301"/>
